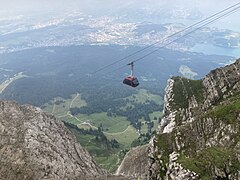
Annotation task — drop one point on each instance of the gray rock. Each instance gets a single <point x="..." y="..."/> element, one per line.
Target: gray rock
<point x="135" y="163"/>
<point x="35" y="145"/>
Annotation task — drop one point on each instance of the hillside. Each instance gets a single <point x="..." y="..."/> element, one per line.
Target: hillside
<point x="199" y="135"/>
<point x="35" y="145"/>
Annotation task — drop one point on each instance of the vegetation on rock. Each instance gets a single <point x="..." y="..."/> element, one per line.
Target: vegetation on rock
<point x="207" y="132"/>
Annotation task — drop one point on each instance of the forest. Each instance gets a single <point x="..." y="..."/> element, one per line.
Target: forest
<point x="62" y="71"/>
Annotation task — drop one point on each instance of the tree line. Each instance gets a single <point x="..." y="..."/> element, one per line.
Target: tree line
<point x="99" y="135"/>
<point x="113" y="108"/>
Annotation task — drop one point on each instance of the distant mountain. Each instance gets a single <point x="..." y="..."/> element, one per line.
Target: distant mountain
<point x="198" y="137"/>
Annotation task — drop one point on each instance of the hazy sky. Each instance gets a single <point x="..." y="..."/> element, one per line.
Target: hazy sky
<point x="207" y="7"/>
<point x="31" y="5"/>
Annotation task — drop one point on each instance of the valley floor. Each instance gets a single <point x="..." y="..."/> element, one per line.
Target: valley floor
<point x="114" y="127"/>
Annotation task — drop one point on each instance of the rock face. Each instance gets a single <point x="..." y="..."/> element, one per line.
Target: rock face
<point x="222" y="83"/>
<point x="34" y="145"/>
<point x="199" y="135"/>
<point x="135" y="163"/>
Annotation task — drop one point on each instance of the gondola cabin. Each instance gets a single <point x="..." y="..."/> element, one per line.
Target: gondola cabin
<point x="131" y="81"/>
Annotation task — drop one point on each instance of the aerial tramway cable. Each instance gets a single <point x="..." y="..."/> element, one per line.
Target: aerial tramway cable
<point x="208" y="23"/>
<point x="190" y="32"/>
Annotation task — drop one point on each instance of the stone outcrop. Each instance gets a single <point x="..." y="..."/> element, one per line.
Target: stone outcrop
<point x="168" y="122"/>
<point x="222" y="83"/>
<point x="35" y="145"/>
<point x="135" y="163"/>
<point x="176" y="171"/>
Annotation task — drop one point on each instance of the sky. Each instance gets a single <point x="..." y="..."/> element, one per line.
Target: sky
<point x="207" y="7"/>
<point x="85" y="5"/>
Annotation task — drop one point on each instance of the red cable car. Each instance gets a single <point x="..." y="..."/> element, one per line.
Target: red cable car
<point x="131" y="80"/>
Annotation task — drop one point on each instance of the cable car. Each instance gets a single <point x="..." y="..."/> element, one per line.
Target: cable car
<point x="131" y="80"/>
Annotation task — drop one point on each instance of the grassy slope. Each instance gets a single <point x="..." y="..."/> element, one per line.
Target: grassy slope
<point x="202" y="163"/>
<point x="125" y="138"/>
<point x="113" y="124"/>
<point x="183" y="89"/>
<point x="143" y="95"/>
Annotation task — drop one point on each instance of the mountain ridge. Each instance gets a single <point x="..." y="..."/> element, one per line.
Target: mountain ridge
<point x="199" y="135"/>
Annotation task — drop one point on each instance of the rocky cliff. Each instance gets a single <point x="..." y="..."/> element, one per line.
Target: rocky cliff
<point x="199" y="135"/>
<point x="34" y="145"/>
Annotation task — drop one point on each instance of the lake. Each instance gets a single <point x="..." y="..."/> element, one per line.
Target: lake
<point x="209" y="49"/>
